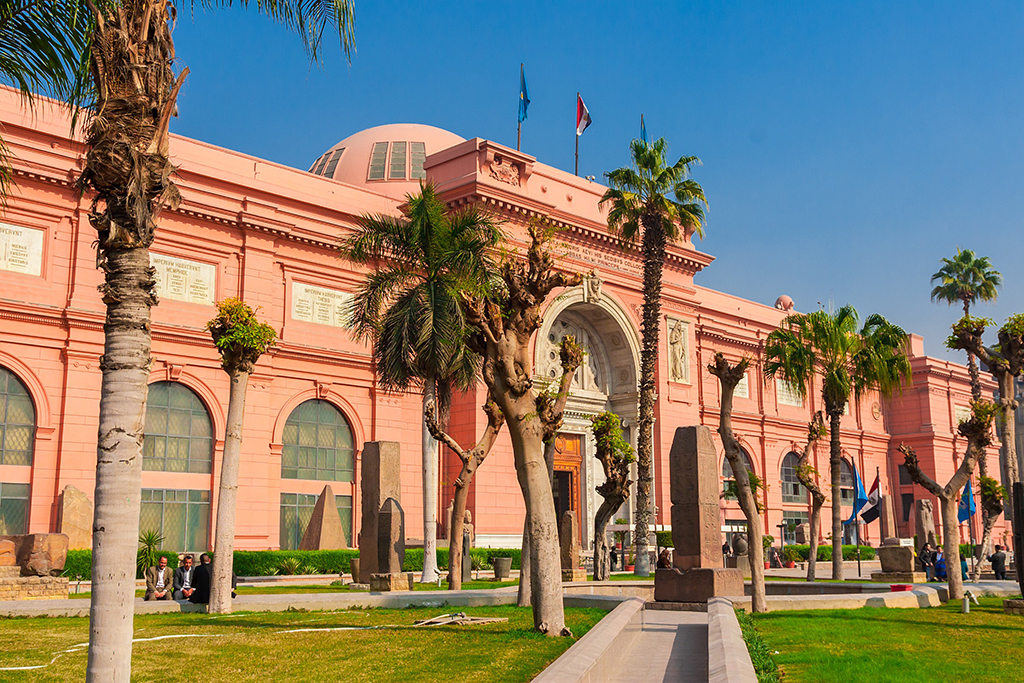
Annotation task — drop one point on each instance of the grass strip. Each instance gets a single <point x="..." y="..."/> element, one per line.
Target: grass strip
<point x="760" y="654"/>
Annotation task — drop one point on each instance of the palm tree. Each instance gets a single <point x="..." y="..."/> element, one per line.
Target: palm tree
<point x="966" y="279"/>
<point x="849" y="361"/>
<point x="410" y="308"/>
<point x="41" y="48"/>
<point x="128" y="171"/>
<point x="642" y="207"/>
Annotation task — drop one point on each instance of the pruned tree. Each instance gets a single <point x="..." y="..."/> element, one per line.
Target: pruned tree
<point x="241" y="339"/>
<point x="978" y="431"/>
<point x="504" y="324"/>
<point x="1006" y="362"/>
<point x="851" y="360"/>
<point x="615" y="455"/>
<point x="807" y="475"/>
<point x="471" y="459"/>
<point x="729" y="375"/>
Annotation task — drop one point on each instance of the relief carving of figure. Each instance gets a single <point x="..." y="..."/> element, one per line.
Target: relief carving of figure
<point x="504" y="171"/>
<point x="592" y="287"/>
<point x="677" y="353"/>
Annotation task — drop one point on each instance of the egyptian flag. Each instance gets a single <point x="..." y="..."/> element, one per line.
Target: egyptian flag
<point x="582" y="116"/>
<point x="871" y="509"/>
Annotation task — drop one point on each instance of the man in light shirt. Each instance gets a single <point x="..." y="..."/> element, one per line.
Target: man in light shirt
<point x="158" y="581"/>
<point x="183" y="580"/>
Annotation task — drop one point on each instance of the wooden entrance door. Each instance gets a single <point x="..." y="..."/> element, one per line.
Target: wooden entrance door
<point x="566" y="485"/>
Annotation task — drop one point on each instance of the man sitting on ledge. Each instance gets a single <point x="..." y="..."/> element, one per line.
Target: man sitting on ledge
<point x="183" y="580"/>
<point x="158" y="581"/>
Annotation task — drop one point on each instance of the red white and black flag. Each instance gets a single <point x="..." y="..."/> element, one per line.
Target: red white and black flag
<point x="871" y="509"/>
<point x="582" y="116"/>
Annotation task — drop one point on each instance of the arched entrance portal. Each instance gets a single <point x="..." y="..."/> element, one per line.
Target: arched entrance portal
<point x="607" y="380"/>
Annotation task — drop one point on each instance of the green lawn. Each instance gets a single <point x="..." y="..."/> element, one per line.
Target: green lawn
<point x="936" y="645"/>
<point x="273" y="589"/>
<point x="250" y="646"/>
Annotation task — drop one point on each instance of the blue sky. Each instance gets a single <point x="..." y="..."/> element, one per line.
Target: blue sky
<point x="847" y="147"/>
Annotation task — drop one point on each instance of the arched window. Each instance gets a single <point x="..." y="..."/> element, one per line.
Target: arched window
<point x="846" y="482"/>
<point x="317" y="443"/>
<point x="792" y="490"/>
<point x="727" y="476"/>
<point x="178" y="433"/>
<point x="19" y="421"/>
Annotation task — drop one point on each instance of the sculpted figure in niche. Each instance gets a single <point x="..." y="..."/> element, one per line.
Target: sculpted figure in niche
<point x="677" y="353"/>
<point x="593" y="287"/>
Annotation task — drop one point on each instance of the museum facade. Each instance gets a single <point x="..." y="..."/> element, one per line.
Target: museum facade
<point x="268" y="233"/>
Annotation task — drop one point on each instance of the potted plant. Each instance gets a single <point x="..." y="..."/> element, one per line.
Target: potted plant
<point x="766" y="542"/>
<point x="629" y="562"/>
<point x="791" y="555"/>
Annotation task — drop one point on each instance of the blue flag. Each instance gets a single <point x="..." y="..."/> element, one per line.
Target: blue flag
<point x="643" y="129"/>
<point x="967" y="507"/>
<point x="524" y="95"/>
<point x="860" y="496"/>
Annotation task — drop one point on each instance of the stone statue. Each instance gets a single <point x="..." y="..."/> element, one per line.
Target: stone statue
<point x="677" y="352"/>
<point x="467" y="528"/>
<point x="592" y="287"/>
<point x="739" y="544"/>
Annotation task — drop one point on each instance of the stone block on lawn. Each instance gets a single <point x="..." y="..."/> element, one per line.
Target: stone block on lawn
<point x="383" y="583"/>
<point x="379" y="480"/>
<point x="696" y="585"/>
<point x="8" y="553"/>
<point x="899" y="577"/>
<point x="74" y="518"/>
<point x="896" y="558"/>
<point x="577" y="574"/>
<point x="390" y="538"/>
<point x="40" y="554"/>
<point x="1014" y="607"/>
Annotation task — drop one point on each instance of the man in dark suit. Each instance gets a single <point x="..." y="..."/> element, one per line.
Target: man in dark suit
<point x="183" y="587"/>
<point x="998" y="560"/>
<point x="201" y="579"/>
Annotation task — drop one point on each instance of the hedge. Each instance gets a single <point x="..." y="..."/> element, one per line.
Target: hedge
<point x="665" y="539"/>
<point x="266" y="562"/>
<point x="825" y="552"/>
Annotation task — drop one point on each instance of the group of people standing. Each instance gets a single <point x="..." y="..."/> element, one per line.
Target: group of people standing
<point x="184" y="583"/>
<point x="934" y="563"/>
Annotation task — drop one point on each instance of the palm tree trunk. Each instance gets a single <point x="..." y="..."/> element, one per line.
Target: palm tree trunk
<point x="654" y="260"/>
<point x="835" y="469"/>
<point x="125" y="365"/>
<point x="430" y="466"/>
<point x="224" y="545"/>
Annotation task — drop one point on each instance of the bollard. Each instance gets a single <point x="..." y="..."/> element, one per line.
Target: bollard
<point x="965" y="606"/>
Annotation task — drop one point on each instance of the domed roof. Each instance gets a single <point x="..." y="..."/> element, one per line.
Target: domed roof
<point x="384" y="159"/>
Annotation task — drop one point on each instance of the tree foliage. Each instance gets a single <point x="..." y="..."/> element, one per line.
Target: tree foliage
<point x="238" y="334"/>
<point x="966" y="279"/>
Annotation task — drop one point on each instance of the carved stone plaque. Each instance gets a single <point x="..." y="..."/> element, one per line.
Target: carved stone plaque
<point x="319" y="305"/>
<point x="21" y="249"/>
<point x="184" y="280"/>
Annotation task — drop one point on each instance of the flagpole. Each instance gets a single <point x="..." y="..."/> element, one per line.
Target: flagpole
<point x="519" y="126"/>
<point x="856" y="529"/>
<point x="577" y="170"/>
<point x="970" y="526"/>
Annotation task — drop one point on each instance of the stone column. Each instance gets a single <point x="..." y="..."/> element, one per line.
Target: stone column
<point x="380" y="480"/>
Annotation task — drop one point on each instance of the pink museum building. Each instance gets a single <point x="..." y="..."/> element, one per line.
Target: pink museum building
<point x="267" y="233"/>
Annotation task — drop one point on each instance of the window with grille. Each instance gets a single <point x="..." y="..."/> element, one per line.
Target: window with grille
<point x="317" y="444"/>
<point x="398" y="152"/>
<point x="178" y="433"/>
<point x="792" y="490"/>
<point x="13" y="509"/>
<point x="316" y="163"/>
<point x="846" y="482"/>
<point x="182" y="517"/>
<point x="378" y="160"/>
<point x="17" y="433"/>
<point x="792" y="519"/>
<point x="905" y="479"/>
<point x="333" y="163"/>
<point x="727" y="475"/>
<point x="296" y="510"/>
<point x="417" y="157"/>
<point x="320" y="166"/>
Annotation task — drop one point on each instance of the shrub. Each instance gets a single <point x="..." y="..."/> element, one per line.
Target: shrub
<point x="792" y="554"/>
<point x="825" y="552"/>
<point x="266" y="562"/>
<point x="78" y="564"/>
<point x="665" y="539"/>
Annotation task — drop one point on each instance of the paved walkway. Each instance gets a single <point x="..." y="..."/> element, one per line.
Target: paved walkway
<point x="673" y="646"/>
